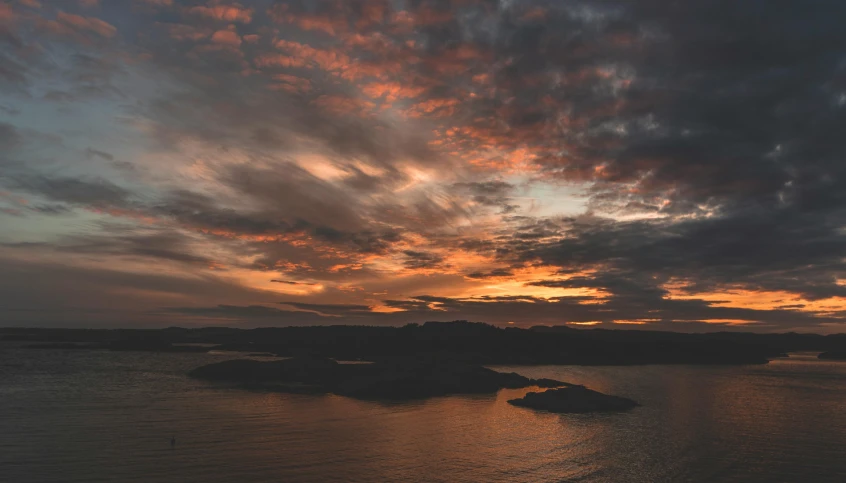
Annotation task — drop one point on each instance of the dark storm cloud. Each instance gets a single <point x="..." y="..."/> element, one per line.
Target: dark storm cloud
<point x="707" y="136"/>
<point x="762" y="249"/>
<point x="490" y="193"/>
<point x="253" y="113"/>
<point x="302" y="209"/>
<point x="84" y="65"/>
<point x="155" y="244"/>
<point x="497" y="272"/>
<point x="89" y="296"/>
<point x="12" y="73"/>
<point x="83" y="191"/>
<point x="96" y="152"/>
<point x="120" y="240"/>
<point x="694" y="104"/>
<point x="720" y="117"/>
<point x="200" y="212"/>
<point x="9" y="138"/>
<point x="417" y="260"/>
<point x="12" y="111"/>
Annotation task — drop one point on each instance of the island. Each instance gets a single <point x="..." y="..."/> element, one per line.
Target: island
<point x="573" y="399"/>
<point x="396" y="380"/>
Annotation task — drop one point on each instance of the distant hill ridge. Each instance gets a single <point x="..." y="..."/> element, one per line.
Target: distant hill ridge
<point x="467" y="341"/>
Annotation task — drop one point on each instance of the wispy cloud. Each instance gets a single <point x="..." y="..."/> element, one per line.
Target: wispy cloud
<point x="601" y="162"/>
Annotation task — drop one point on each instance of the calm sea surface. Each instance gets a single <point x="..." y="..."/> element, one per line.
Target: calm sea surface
<point x="79" y="416"/>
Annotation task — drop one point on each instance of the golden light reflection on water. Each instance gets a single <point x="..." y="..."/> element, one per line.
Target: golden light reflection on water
<point x="696" y="424"/>
<point x="778" y="422"/>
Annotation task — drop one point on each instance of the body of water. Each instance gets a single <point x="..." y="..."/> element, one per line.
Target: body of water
<point x="85" y="416"/>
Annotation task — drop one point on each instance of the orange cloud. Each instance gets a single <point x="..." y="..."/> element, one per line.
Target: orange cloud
<point x="226" y="37"/>
<point x="330" y="25"/>
<point x="341" y="105"/>
<point x="374" y="42"/>
<point x="758" y="299"/>
<point x="390" y="91"/>
<point x="279" y="60"/>
<point x="433" y="108"/>
<point x="728" y="321"/>
<point x="332" y="61"/>
<point x="325" y="59"/>
<point x="225" y="13"/>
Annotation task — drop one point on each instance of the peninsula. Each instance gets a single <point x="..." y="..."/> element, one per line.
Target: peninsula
<point x="399" y="380"/>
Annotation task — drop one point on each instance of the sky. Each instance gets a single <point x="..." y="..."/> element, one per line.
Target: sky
<point x="658" y="164"/>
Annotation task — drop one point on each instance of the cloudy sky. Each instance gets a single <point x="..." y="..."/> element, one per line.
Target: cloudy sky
<point x="656" y="164"/>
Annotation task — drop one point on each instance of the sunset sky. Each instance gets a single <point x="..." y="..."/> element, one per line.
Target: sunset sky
<point x="659" y="164"/>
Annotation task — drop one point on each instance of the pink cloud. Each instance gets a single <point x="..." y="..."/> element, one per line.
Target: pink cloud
<point x="535" y="13"/>
<point x="291" y="83"/>
<point x="279" y="60"/>
<point x="87" y="24"/>
<point x="316" y="22"/>
<point x="183" y="32"/>
<point x="226" y="13"/>
<point x="330" y="60"/>
<point x="372" y="12"/>
<point x="428" y="16"/>
<point x="6" y="13"/>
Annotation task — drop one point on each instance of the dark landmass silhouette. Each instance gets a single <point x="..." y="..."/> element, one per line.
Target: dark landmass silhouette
<point x="838" y="355"/>
<point x="402" y="379"/>
<point x="469" y="342"/>
<point x="573" y="399"/>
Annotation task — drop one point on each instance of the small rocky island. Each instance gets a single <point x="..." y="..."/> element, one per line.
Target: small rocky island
<point x="574" y="399"/>
<point x="398" y="380"/>
<point x="403" y="379"/>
